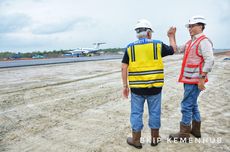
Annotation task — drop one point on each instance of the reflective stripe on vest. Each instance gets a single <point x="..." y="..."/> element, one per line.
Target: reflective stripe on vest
<point x="192" y="63"/>
<point x="192" y="71"/>
<point x="145" y="65"/>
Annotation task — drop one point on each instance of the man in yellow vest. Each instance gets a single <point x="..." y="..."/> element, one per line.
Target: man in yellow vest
<point x="197" y="62"/>
<point x="143" y="73"/>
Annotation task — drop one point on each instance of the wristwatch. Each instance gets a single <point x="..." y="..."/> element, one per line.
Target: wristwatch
<point x="202" y="76"/>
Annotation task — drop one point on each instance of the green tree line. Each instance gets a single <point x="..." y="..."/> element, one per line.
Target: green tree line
<point x="49" y="54"/>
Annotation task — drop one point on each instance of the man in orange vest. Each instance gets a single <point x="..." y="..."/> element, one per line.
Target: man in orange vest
<point x="197" y="62"/>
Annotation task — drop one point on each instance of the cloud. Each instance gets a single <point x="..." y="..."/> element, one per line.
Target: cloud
<point x="29" y="42"/>
<point x="64" y="26"/>
<point x="60" y="24"/>
<point x="13" y="22"/>
<point x="3" y="2"/>
<point x="225" y="9"/>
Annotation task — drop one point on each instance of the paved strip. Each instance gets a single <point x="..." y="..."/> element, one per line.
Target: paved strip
<point x="22" y="63"/>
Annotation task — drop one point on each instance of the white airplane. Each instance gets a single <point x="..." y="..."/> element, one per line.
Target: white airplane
<point x="86" y="51"/>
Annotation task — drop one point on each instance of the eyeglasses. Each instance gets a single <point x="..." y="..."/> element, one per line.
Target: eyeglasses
<point x="192" y="25"/>
<point x="138" y="30"/>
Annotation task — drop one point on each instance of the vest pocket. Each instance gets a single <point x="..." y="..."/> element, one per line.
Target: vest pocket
<point x="192" y="71"/>
<point x="193" y="65"/>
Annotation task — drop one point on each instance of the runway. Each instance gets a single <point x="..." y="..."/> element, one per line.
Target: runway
<point x="35" y="62"/>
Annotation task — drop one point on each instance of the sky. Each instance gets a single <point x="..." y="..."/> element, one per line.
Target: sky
<point x="39" y="25"/>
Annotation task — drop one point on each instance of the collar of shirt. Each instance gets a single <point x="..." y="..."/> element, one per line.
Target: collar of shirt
<point x="142" y="40"/>
<point x="196" y="36"/>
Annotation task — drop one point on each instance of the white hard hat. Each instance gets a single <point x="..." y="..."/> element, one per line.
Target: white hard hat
<point x="143" y="23"/>
<point x="196" y="19"/>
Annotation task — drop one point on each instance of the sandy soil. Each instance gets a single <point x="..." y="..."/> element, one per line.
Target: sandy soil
<point x="78" y="107"/>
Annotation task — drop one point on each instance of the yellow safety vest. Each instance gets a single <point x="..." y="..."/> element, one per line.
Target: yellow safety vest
<point x="145" y="65"/>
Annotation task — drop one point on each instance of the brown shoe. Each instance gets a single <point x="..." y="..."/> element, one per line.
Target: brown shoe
<point x="135" y="140"/>
<point x="155" y="138"/>
<point x="196" y="129"/>
<point x="183" y="134"/>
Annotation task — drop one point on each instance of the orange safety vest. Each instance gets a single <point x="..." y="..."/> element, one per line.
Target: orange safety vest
<point x="192" y="63"/>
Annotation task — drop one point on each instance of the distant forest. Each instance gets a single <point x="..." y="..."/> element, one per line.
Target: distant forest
<point x="51" y="54"/>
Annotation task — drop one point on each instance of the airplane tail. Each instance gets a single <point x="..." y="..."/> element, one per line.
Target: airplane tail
<point x="97" y="45"/>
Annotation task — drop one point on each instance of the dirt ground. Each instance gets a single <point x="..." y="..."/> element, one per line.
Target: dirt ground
<point x="78" y="107"/>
